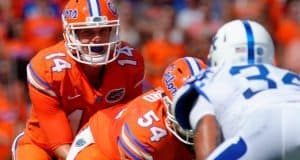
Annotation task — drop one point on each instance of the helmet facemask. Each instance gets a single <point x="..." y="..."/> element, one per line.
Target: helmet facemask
<point x="93" y="53"/>
<point x="185" y="136"/>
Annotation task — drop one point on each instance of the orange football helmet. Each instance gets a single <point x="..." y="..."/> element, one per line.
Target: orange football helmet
<point x="91" y="14"/>
<point x="175" y="75"/>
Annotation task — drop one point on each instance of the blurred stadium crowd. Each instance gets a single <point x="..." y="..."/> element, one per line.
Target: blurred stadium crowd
<point x="162" y="29"/>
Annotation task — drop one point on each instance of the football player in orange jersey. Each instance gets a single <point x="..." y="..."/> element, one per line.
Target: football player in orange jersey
<point x="68" y="82"/>
<point x="142" y="129"/>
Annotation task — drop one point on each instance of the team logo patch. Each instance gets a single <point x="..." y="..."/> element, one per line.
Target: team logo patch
<point x="115" y="95"/>
<point x="70" y="13"/>
<point x="80" y="142"/>
<point x="169" y="80"/>
<point x="111" y="7"/>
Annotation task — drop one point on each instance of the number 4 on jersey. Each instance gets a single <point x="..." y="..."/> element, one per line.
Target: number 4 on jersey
<point x="146" y="121"/>
<point x="128" y="52"/>
<point x="60" y="64"/>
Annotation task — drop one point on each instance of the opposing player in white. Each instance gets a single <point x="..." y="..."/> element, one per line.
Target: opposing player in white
<point x="242" y="100"/>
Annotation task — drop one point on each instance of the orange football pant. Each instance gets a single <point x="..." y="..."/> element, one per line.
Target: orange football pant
<point x="26" y="149"/>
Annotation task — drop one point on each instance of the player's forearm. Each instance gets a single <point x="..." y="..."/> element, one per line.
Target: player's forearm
<point x="62" y="151"/>
<point x="206" y="137"/>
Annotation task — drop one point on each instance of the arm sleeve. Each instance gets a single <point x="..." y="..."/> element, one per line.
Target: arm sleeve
<point x="190" y="99"/>
<point x="52" y="119"/>
<point x="201" y="108"/>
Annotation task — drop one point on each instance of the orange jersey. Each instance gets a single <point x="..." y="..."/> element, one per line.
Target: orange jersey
<point x="63" y="99"/>
<point x="138" y="129"/>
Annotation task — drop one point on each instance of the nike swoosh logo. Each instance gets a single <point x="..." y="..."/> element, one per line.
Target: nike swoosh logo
<point x="73" y="97"/>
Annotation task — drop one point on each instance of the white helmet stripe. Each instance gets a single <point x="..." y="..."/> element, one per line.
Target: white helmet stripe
<point x="193" y="65"/>
<point x="37" y="82"/>
<point x="94" y="7"/>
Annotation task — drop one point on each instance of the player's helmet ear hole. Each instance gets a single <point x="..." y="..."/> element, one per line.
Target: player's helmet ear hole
<point x="179" y="70"/>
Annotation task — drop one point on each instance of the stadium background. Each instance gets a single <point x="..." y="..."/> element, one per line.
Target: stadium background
<point x="162" y="29"/>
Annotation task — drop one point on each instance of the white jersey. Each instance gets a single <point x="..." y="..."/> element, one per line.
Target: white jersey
<point x="231" y="93"/>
